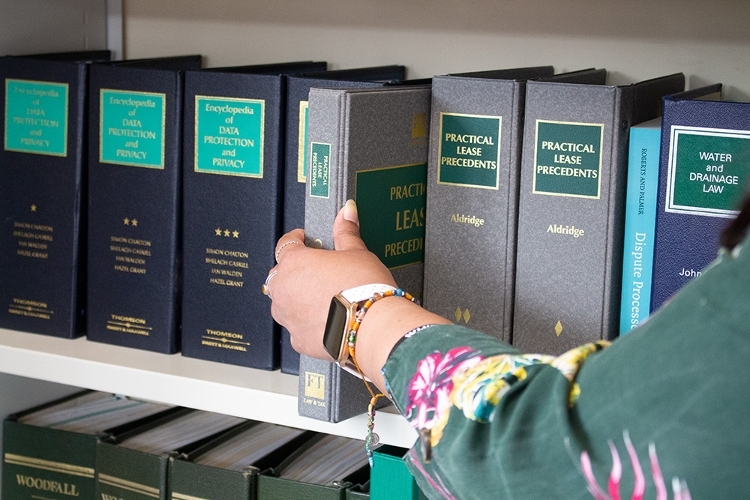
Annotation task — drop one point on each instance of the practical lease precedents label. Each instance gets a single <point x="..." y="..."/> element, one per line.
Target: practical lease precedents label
<point x="131" y="128"/>
<point x="391" y="206"/>
<point x="229" y="136"/>
<point x="469" y="150"/>
<point x="568" y="159"/>
<point x="708" y="170"/>
<point x="36" y="117"/>
<point x="320" y="165"/>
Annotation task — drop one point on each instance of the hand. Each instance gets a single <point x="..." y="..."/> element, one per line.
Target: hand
<point x="307" y="278"/>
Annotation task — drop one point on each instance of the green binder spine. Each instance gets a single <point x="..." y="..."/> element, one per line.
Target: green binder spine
<point x="194" y="481"/>
<point x="43" y="462"/>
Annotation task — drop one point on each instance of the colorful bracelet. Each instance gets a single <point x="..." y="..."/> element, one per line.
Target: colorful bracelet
<point x="372" y="439"/>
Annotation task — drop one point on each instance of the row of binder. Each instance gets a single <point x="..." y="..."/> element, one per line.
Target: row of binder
<point x="98" y="445"/>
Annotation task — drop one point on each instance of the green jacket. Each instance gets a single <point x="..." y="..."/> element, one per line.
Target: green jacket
<point x="662" y="412"/>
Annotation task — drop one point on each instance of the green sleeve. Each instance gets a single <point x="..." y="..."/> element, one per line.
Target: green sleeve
<point x="658" y="414"/>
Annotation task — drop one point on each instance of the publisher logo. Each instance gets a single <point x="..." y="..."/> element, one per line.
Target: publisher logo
<point x="315" y="385"/>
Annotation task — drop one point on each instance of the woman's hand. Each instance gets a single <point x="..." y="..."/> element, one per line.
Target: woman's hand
<point x="307" y="278"/>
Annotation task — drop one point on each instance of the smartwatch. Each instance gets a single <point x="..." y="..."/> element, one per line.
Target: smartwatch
<point x="341" y="316"/>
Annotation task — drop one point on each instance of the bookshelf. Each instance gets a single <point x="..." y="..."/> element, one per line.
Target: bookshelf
<point x="174" y="379"/>
<point x="634" y="40"/>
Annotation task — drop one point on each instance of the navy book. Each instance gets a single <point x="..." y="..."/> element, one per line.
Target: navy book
<point x="134" y="202"/>
<point x="703" y="174"/>
<point x="295" y="172"/>
<point x="233" y="153"/>
<point x="42" y="186"/>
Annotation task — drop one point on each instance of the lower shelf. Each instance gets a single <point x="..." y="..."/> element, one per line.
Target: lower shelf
<point x="268" y="396"/>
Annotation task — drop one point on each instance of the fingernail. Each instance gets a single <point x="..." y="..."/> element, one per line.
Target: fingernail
<point x="350" y="212"/>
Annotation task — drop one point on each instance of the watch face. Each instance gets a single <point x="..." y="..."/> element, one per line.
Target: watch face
<point x="335" y="328"/>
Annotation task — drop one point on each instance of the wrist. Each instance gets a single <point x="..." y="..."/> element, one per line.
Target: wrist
<point x="386" y="322"/>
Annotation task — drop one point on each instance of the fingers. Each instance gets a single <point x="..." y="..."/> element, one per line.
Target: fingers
<point x="266" y="287"/>
<point x="292" y="240"/>
<point x="346" y="229"/>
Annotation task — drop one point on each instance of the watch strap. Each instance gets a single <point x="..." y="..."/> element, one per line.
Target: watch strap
<point x="364" y="292"/>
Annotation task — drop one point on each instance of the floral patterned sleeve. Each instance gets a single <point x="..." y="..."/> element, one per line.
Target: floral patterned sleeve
<point x="643" y="417"/>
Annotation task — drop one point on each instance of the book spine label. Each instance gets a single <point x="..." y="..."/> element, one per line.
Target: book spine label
<point x="229" y="136"/>
<point x="640" y="222"/>
<point x="706" y="171"/>
<point x="568" y="162"/>
<point x="132" y="128"/>
<point x="469" y="150"/>
<point x="320" y="170"/>
<point x="36" y="117"/>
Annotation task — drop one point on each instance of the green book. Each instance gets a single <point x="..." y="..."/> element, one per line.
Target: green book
<point x="227" y="467"/>
<point x="49" y="451"/>
<point x="324" y="468"/>
<point x="136" y="466"/>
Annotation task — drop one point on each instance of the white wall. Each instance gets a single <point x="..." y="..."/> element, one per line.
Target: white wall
<point x="33" y="26"/>
<point x="633" y="39"/>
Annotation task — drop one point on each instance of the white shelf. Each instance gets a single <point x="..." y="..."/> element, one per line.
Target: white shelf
<point x="269" y="396"/>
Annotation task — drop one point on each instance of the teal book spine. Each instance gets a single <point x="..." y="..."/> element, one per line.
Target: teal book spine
<point x="640" y="223"/>
<point x="390" y="479"/>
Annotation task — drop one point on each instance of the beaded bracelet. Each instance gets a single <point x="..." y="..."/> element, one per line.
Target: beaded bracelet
<point x="372" y="439"/>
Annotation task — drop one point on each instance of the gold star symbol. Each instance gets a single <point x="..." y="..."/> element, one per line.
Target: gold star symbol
<point x="218" y="232"/>
<point x="33" y="208"/>
<point x="126" y="221"/>
<point x="236" y="234"/>
<point x="135" y="222"/>
<point x="226" y="233"/>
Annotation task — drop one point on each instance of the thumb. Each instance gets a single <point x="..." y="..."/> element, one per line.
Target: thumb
<point x="346" y="229"/>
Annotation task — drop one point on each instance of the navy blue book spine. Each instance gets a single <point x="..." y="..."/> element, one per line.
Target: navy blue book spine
<point x="42" y="179"/>
<point x="134" y="206"/>
<point x="703" y="173"/>
<point x="233" y="147"/>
